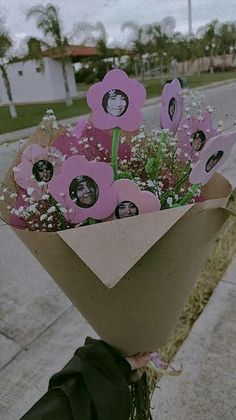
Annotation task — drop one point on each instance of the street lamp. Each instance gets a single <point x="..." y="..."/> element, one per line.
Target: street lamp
<point x="190" y="20"/>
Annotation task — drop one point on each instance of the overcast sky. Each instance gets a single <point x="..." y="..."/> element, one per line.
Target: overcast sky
<point x="113" y="12"/>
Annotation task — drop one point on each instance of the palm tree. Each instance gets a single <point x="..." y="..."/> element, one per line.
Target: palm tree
<point x="137" y="44"/>
<point x="159" y="42"/>
<point x="226" y="40"/>
<point x="5" y="45"/>
<point x="210" y="36"/>
<point x="48" y="20"/>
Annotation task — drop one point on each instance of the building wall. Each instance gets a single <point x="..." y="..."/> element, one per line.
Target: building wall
<point x="57" y="82"/>
<point x="203" y="64"/>
<point x="31" y="83"/>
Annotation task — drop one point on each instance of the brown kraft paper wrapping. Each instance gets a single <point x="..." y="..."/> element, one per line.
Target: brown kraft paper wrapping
<point x="131" y="278"/>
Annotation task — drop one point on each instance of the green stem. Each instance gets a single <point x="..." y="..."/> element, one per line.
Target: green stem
<point x="114" y="150"/>
<point x="183" y="177"/>
<point x="92" y="221"/>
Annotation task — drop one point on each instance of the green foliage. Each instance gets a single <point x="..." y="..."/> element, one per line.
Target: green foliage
<point x="124" y="175"/>
<point x="153" y="166"/>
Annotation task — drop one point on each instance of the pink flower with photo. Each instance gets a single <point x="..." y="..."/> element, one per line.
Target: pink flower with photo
<point x="193" y="134"/>
<point x="116" y="102"/>
<point x="132" y="201"/>
<point x="172" y="106"/>
<point x="38" y="166"/>
<point x="84" y="190"/>
<point x="211" y="158"/>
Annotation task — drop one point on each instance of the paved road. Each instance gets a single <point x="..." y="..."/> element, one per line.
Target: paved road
<point x="39" y="329"/>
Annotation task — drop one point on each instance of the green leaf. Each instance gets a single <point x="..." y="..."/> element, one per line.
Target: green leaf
<point x="124" y="175"/>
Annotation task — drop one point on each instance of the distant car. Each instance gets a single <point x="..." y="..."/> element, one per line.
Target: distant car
<point x="183" y="81"/>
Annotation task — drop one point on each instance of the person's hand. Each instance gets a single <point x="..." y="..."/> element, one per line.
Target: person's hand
<point x="139" y="361"/>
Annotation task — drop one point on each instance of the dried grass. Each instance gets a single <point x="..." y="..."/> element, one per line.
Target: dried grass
<point x="213" y="271"/>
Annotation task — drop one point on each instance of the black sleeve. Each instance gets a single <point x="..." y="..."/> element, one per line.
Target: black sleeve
<point x="68" y="401"/>
<point x="92" y="386"/>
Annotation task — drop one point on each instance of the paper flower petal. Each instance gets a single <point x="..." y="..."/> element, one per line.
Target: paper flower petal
<point x="84" y="189"/>
<point x="116" y="102"/>
<point x="214" y="155"/>
<point x="172" y="106"/>
<point x="193" y="135"/>
<point x="132" y="201"/>
<point x="38" y="166"/>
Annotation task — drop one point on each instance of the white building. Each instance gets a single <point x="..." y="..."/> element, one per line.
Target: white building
<point x="37" y="81"/>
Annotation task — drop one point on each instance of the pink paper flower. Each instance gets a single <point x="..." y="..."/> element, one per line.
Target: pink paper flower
<point x="132" y="201"/>
<point x="79" y="128"/>
<point x="90" y="142"/>
<point x="84" y="189"/>
<point x="193" y="134"/>
<point x="214" y="155"/>
<point x="172" y="106"/>
<point x="116" y="102"/>
<point x="38" y="166"/>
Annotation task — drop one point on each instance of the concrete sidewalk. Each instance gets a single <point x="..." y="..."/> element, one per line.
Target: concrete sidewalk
<point x="206" y="389"/>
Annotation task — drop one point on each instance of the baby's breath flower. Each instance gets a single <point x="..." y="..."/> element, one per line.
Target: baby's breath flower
<point x="55" y="125"/>
<point x="13" y="195"/>
<point x="51" y="210"/>
<point x="169" y="201"/>
<point x="210" y="108"/>
<point x="30" y="190"/>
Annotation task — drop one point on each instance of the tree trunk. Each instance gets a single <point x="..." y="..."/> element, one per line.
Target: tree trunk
<point x="141" y="67"/>
<point x="211" y="64"/>
<point x="224" y="61"/>
<point x="12" y="107"/>
<point x="135" y="68"/>
<point x="68" y="98"/>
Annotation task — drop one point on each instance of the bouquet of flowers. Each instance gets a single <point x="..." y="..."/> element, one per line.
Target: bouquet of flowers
<point x="71" y="198"/>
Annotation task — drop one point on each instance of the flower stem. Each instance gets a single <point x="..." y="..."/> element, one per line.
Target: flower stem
<point x="114" y="150"/>
<point x="183" y="177"/>
<point x="91" y="221"/>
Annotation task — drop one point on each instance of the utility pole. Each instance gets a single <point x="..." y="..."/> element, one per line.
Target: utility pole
<point x="190" y="20"/>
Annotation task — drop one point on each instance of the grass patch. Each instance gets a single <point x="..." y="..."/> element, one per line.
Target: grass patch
<point x="154" y="86"/>
<point x="31" y="115"/>
<point x="212" y="272"/>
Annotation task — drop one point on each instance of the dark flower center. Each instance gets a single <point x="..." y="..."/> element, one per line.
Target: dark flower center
<point x="83" y="191"/>
<point x="199" y="140"/>
<point x="213" y="160"/>
<point x="172" y="108"/>
<point x="43" y="170"/>
<point x="115" y="102"/>
<point x="126" y="209"/>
